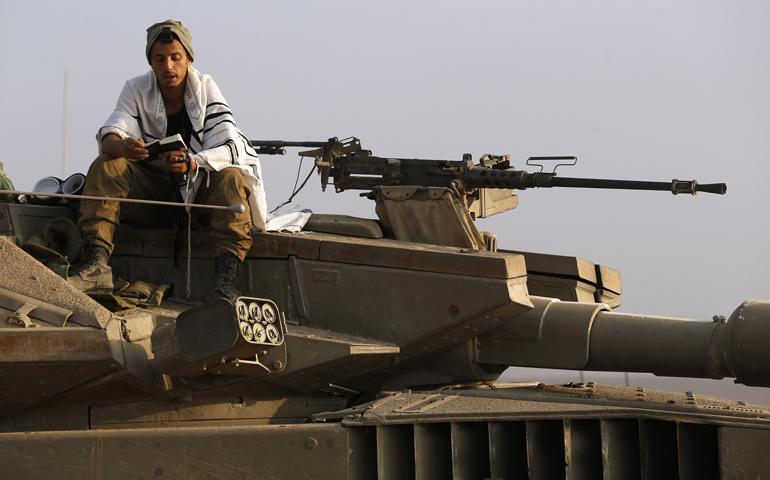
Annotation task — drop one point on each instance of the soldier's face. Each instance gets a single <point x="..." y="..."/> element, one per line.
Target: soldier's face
<point x="169" y="62"/>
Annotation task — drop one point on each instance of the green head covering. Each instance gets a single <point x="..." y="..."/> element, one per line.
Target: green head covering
<point x="182" y="34"/>
<point x="6" y="184"/>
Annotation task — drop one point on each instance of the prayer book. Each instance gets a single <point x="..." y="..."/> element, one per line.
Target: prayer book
<point x="168" y="144"/>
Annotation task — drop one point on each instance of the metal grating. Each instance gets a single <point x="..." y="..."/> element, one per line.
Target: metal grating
<point x="470" y="450"/>
<point x="508" y="450"/>
<point x="620" y="449"/>
<point x="362" y="453"/>
<point x="545" y="449"/>
<point x="658" y="449"/>
<point x="606" y="448"/>
<point x="583" y="449"/>
<point x="432" y="447"/>
<point x="698" y="451"/>
<point x="395" y="452"/>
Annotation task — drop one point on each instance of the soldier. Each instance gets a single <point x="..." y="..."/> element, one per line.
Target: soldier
<point x="219" y="168"/>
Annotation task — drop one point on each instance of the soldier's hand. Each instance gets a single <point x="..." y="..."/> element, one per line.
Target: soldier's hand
<point x="133" y="149"/>
<point x="177" y="161"/>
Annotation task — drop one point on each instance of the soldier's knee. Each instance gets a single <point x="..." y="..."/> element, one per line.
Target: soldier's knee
<point x="103" y="158"/>
<point x="106" y="164"/>
<point x="230" y="175"/>
<point x="231" y="179"/>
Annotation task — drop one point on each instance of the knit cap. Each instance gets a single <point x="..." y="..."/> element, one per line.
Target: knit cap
<point x="176" y="28"/>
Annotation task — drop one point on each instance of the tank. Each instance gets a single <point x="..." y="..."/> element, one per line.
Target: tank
<point x="368" y="348"/>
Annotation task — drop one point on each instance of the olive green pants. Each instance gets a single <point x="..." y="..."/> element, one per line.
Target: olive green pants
<point x="121" y="178"/>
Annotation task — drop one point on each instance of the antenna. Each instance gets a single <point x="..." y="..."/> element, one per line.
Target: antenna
<point x="64" y="129"/>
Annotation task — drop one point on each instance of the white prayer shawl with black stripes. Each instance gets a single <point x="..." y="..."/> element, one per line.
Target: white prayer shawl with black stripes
<point x="216" y="142"/>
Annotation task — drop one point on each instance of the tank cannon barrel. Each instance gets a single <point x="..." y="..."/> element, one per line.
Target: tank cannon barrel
<point x="685" y="348"/>
<point x="583" y="336"/>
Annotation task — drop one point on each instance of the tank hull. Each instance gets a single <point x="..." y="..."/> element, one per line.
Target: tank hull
<point x="388" y="370"/>
<point x="523" y="431"/>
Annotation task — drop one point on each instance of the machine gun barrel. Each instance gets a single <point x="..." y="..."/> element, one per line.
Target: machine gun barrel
<point x="675" y="186"/>
<point x="482" y="177"/>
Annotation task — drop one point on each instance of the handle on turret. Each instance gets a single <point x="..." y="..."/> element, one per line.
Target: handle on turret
<point x="276" y="147"/>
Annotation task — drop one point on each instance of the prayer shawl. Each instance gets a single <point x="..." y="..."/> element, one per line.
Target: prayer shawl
<point x="216" y="142"/>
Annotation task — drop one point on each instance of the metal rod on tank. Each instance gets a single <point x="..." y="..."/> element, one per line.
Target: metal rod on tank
<point x="232" y="208"/>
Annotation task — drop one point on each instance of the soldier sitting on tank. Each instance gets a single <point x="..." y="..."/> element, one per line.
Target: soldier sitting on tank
<point x="220" y="167"/>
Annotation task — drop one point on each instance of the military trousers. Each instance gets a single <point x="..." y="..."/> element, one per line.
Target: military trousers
<point x="121" y="178"/>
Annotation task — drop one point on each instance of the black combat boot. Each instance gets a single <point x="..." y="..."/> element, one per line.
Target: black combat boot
<point x="94" y="276"/>
<point x="226" y="268"/>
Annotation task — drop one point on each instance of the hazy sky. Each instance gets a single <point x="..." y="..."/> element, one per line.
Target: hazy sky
<point x="643" y="90"/>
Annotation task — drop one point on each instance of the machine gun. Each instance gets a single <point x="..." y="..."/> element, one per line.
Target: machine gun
<point x="353" y="168"/>
<point x="485" y="188"/>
